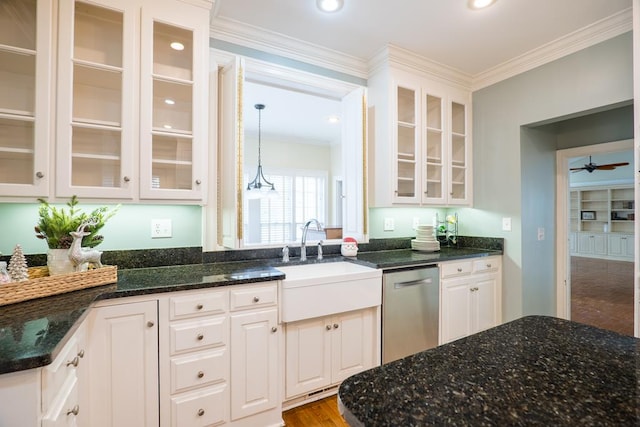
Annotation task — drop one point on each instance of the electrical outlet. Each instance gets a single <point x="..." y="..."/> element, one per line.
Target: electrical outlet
<point x="506" y="224"/>
<point x="540" y="233"/>
<point x="389" y="224"/>
<point x="416" y="222"/>
<point x="160" y="228"/>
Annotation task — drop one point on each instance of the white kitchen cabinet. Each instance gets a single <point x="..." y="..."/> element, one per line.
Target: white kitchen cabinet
<point x="321" y="352"/>
<point x="124" y="364"/>
<point x="131" y="107"/>
<point x="25" y="92"/>
<point x="422" y="141"/>
<point x="470" y="297"/>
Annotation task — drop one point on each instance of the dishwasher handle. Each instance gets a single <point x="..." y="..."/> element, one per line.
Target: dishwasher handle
<point x="409" y="283"/>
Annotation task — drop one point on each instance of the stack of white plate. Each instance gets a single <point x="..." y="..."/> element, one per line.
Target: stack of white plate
<point x="425" y="240"/>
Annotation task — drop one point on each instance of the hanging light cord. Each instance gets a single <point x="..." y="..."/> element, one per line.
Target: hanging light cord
<point x="257" y="181"/>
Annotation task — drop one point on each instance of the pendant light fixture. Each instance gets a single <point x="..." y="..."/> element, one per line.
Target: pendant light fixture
<point x="260" y="186"/>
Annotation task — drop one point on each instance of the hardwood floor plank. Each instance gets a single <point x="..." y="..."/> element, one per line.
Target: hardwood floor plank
<point x="322" y="413"/>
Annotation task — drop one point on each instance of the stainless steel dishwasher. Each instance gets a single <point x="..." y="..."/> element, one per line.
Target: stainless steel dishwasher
<point x="410" y="305"/>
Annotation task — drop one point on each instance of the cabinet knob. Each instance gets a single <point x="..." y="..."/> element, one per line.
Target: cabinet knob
<point x="126" y="179"/>
<point x="74" y="411"/>
<point x="39" y="175"/>
<point x="74" y="362"/>
<point x="488" y="265"/>
<point x="200" y="374"/>
<point x="198" y="182"/>
<point x="200" y="412"/>
<point x="459" y="270"/>
<point x="81" y="354"/>
<point x="150" y="324"/>
<point x="328" y="327"/>
<point x="199" y="306"/>
<point x="256" y="299"/>
<point x="200" y="337"/>
<point x="274" y="329"/>
<point x="336" y="326"/>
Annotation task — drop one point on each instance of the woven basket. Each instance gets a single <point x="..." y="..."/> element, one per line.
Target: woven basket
<point x="40" y="284"/>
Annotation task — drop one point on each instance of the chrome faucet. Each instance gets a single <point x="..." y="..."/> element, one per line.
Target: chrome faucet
<point x="303" y="245"/>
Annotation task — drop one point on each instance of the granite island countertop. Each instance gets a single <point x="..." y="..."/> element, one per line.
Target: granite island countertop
<point x="536" y="370"/>
<point x="33" y="332"/>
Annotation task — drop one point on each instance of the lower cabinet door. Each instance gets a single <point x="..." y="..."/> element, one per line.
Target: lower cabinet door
<point x="65" y="410"/>
<point x="456" y="309"/>
<point x="353" y="343"/>
<point x="207" y="407"/>
<point x="254" y="362"/>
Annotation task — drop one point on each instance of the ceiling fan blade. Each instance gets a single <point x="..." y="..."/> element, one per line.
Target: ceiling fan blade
<point x="577" y="169"/>
<point x="611" y="166"/>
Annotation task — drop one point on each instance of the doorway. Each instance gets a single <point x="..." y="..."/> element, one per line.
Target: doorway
<point x="595" y="279"/>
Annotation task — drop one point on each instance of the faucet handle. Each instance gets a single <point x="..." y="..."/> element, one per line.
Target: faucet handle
<point x="320" y="249"/>
<point x="285" y="254"/>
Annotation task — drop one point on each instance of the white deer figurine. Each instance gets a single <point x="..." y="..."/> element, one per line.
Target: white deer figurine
<point x="79" y="255"/>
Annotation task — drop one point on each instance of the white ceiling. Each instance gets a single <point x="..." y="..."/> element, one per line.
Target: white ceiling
<point x="445" y="31"/>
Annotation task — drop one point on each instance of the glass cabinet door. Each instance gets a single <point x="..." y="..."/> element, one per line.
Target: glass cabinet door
<point x="458" y="158"/>
<point x="96" y="100"/>
<point x="174" y="92"/>
<point x="407" y="148"/>
<point x="435" y="154"/>
<point x="25" y="75"/>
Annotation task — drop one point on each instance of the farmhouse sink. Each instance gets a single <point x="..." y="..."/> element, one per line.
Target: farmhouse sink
<point x="315" y="290"/>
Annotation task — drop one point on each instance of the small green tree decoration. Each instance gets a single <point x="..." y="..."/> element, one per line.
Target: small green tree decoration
<point x="18" y="265"/>
<point x="55" y="224"/>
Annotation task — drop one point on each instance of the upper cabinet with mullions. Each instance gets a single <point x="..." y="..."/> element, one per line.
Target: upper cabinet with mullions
<point x="421" y="141"/>
<point x="25" y="90"/>
<point x="132" y="87"/>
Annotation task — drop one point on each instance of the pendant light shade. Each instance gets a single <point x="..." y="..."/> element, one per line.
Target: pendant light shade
<point x="260" y="186"/>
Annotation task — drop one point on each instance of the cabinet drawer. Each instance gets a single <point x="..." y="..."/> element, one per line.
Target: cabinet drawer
<point x="195" y="335"/>
<point x="199" y="370"/>
<point x="203" y="408"/>
<point x="453" y="269"/>
<point x="198" y="304"/>
<point x="486" y="265"/>
<point x="57" y="373"/>
<point x="254" y="296"/>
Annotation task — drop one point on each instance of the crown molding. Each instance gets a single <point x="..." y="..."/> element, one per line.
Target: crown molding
<point x="242" y="34"/>
<point x="205" y="4"/>
<point x="590" y="35"/>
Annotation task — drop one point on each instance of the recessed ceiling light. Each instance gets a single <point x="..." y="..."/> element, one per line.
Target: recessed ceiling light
<point x="177" y="46"/>
<point x="329" y="5"/>
<point x="480" y="4"/>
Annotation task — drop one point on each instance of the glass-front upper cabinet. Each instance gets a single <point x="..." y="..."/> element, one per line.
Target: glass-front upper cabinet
<point x="25" y="91"/>
<point x="407" y="173"/>
<point x="459" y="155"/>
<point x="96" y="99"/>
<point x="174" y="88"/>
<point x="435" y="150"/>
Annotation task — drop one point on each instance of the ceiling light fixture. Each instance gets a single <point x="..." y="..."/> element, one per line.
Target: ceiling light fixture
<point x="260" y="186"/>
<point x="330" y="5"/>
<point x="480" y="4"/>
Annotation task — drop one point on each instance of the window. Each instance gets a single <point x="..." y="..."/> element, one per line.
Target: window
<point x="273" y="220"/>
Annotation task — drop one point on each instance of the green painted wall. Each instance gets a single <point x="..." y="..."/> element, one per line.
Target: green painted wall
<point x="129" y="229"/>
<point x="514" y="166"/>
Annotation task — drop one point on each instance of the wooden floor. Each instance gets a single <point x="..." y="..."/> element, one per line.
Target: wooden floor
<point x="602" y="293"/>
<point x="322" y="413"/>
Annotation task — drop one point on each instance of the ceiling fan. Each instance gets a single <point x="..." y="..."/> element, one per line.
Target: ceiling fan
<point x="590" y="167"/>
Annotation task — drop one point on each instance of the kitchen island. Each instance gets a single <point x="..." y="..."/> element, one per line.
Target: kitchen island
<point x="536" y="370"/>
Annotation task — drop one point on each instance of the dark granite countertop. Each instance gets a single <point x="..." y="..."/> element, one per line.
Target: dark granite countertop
<point x="33" y="332"/>
<point x="536" y="370"/>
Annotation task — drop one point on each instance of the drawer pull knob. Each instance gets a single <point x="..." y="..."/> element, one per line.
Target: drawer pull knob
<point x="336" y="326"/>
<point x="488" y="265"/>
<point x="81" y="354"/>
<point x="274" y="329"/>
<point x="200" y="337"/>
<point x="459" y="270"/>
<point x="256" y="299"/>
<point x="328" y="327"/>
<point x="200" y="412"/>
<point x="73" y="362"/>
<point x="74" y="411"/>
<point x="200" y="374"/>
<point x="150" y="324"/>
<point x="199" y="306"/>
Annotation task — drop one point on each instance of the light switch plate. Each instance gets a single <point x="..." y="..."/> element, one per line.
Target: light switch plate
<point x="389" y="224"/>
<point x="506" y="224"/>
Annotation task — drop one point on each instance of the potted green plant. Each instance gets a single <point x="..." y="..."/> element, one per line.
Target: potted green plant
<point x="55" y="224"/>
